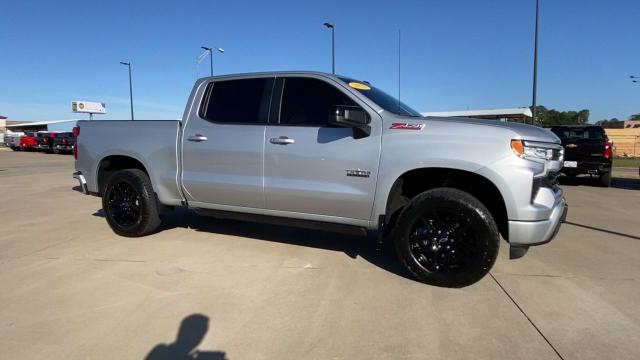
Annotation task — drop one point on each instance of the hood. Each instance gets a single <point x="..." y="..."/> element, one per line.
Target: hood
<point x="527" y="132"/>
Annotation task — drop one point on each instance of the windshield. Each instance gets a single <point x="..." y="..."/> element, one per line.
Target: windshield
<point x="384" y="100"/>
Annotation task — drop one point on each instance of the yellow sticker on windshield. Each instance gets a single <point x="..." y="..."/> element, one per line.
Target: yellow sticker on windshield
<point x="359" y="86"/>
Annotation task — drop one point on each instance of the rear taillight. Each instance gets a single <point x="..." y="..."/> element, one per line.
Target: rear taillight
<point x="607" y="152"/>
<point x="76" y="133"/>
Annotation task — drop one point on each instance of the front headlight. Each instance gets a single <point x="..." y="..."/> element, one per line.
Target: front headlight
<point x="535" y="150"/>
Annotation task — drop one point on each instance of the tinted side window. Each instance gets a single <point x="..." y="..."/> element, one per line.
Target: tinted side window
<point x="237" y="101"/>
<point x="309" y="102"/>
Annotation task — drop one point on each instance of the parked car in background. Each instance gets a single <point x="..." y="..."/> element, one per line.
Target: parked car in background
<point x="12" y="140"/>
<point x="318" y="150"/>
<point x="28" y="141"/>
<point x="63" y="142"/>
<point x="588" y="150"/>
<point x="44" y="140"/>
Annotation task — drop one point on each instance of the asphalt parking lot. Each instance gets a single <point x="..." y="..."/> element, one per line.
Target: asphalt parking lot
<point x="72" y="289"/>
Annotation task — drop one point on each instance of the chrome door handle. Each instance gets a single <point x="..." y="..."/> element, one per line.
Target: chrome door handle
<point x="197" y="138"/>
<point x="282" y="140"/>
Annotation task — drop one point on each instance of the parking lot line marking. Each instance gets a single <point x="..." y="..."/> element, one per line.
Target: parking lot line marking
<point x="603" y="230"/>
<point x="526" y="316"/>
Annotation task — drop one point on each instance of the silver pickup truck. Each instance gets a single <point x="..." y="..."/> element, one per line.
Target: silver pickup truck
<point x="319" y="149"/>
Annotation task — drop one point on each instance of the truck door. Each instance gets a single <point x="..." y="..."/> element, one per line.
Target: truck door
<point x="312" y="167"/>
<point x="223" y="144"/>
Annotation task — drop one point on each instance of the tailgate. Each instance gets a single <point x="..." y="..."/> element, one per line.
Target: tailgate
<point x="583" y="150"/>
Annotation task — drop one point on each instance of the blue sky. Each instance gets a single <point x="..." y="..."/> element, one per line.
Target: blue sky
<point x="456" y="54"/>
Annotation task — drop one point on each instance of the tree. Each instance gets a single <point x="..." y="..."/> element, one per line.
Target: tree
<point x="552" y="117"/>
<point x="634" y="117"/>
<point x="611" y="124"/>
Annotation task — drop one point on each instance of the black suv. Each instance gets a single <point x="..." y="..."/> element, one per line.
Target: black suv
<point x="587" y="150"/>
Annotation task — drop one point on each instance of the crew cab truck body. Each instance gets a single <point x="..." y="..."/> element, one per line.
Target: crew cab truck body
<point x="44" y="140"/>
<point x="28" y="141"/>
<point x="323" y="149"/>
<point x="63" y="142"/>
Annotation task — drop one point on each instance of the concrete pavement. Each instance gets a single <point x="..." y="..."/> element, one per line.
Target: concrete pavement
<point x="72" y="289"/>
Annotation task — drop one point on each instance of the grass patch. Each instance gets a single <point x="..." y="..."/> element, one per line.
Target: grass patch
<point x="626" y="162"/>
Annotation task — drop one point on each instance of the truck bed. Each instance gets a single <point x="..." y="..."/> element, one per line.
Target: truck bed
<point x="154" y="143"/>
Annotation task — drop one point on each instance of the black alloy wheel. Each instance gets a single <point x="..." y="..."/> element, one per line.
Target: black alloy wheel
<point x="446" y="237"/>
<point x="123" y="204"/>
<point x="130" y="204"/>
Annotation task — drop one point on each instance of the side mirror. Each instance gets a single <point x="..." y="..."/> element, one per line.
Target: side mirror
<point x="353" y="117"/>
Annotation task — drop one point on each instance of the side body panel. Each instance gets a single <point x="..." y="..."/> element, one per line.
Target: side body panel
<point x="441" y="143"/>
<point x="152" y="143"/>
<point x="314" y="174"/>
<point x="226" y="168"/>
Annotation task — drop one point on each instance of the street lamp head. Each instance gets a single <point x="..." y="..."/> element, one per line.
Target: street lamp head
<point x="328" y="25"/>
<point x="125" y="63"/>
<point x="205" y="48"/>
<point x="221" y="50"/>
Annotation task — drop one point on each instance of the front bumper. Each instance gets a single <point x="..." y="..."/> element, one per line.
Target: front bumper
<point x="83" y="182"/>
<point x="523" y="234"/>
<point x="43" y="147"/>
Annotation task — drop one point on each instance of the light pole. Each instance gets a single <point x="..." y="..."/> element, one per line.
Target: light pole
<point x="210" y="50"/>
<point x="333" y="46"/>
<point x="535" y="66"/>
<point x="128" y="64"/>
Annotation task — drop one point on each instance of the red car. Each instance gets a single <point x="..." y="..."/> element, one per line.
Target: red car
<point x="28" y="142"/>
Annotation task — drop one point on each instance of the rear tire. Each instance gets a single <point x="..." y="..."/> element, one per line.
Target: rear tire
<point x="129" y="204"/>
<point x="605" y="180"/>
<point x="446" y="237"/>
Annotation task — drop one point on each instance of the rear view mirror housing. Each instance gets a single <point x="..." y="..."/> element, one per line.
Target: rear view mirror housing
<point x="351" y="116"/>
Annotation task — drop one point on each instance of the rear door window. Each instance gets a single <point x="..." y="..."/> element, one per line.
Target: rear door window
<point x="243" y="101"/>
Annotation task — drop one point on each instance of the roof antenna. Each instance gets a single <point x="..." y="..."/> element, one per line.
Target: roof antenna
<point x="399" y="70"/>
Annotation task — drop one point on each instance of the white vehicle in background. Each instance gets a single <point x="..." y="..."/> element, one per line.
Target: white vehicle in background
<point x="12" y="140"/>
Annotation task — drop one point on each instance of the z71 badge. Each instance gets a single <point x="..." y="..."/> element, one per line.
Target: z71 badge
<point x="406" y="126"/>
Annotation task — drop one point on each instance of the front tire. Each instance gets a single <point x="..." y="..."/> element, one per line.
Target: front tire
<point x="447" y="237"/>
<point x="129" y="204"/>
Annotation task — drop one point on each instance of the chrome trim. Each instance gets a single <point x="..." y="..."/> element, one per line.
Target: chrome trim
<point x="83" y="182"/>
